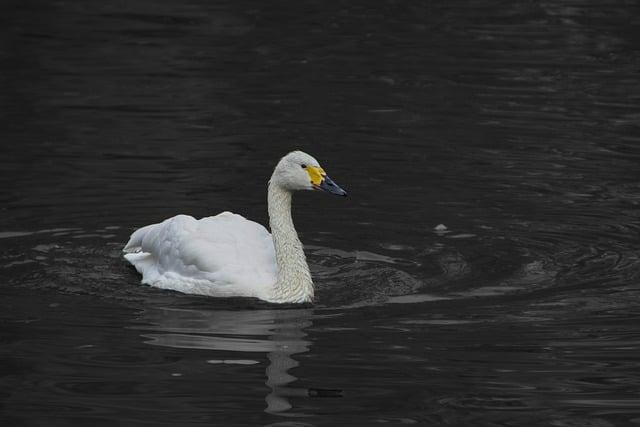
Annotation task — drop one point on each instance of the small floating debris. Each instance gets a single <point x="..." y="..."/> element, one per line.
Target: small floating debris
<point x="441" y="229"/>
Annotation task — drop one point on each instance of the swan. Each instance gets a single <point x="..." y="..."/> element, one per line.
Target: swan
<point x="227" y="255"/>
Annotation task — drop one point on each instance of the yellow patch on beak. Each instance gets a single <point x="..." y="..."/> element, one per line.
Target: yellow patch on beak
<point x="316" y="174"/>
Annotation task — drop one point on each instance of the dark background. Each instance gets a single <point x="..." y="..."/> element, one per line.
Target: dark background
<point x="513" y="123"/>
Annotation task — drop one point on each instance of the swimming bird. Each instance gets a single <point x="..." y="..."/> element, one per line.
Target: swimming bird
<point x="227" y="255"/>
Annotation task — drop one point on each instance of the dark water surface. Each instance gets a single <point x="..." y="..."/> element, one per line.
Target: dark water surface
<point x="514" y="124"/>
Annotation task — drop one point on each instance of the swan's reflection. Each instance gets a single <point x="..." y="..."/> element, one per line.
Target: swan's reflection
<point x="239" y="331"/>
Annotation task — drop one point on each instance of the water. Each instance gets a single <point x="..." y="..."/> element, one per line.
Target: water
<point x="514" y="125"/>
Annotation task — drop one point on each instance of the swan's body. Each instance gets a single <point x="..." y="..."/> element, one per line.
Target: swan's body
<point x="227" y="255"/>
<point x="222" y="255"/>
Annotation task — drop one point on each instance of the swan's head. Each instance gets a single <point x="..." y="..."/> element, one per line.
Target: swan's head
<point x="300" y="171"/>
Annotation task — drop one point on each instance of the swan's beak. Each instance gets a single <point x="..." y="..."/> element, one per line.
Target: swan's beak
<point x="321" y="181"/>
<point x="331" y="187"/>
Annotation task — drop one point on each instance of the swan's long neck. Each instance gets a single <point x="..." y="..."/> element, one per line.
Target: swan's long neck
<point x="294" y="279"/>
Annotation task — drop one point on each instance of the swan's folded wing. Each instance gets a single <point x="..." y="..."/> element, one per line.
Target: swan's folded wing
<point x="239" y="250"/>
<point x="232" y="253"/>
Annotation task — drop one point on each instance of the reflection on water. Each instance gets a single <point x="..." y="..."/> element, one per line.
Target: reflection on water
<point x="278" y="333"/>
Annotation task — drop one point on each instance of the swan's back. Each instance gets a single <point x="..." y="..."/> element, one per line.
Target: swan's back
<point x="222" y="255"/>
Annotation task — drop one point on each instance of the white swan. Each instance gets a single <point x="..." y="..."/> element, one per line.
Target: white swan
<point x="227" y="255"/>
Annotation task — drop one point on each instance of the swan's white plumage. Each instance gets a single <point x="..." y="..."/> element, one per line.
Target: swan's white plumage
<point x="227" y="255"/>
<point x="222" y="255"/>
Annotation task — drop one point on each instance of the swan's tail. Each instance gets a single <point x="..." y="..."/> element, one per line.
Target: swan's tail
<point x="141" y="260"/>
<point x="135" y="241"/>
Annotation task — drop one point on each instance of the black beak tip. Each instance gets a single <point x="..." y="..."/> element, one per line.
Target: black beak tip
<point x="331" y="187"/>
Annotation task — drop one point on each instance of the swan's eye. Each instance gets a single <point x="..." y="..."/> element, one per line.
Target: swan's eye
<point x="303" y="166"/>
